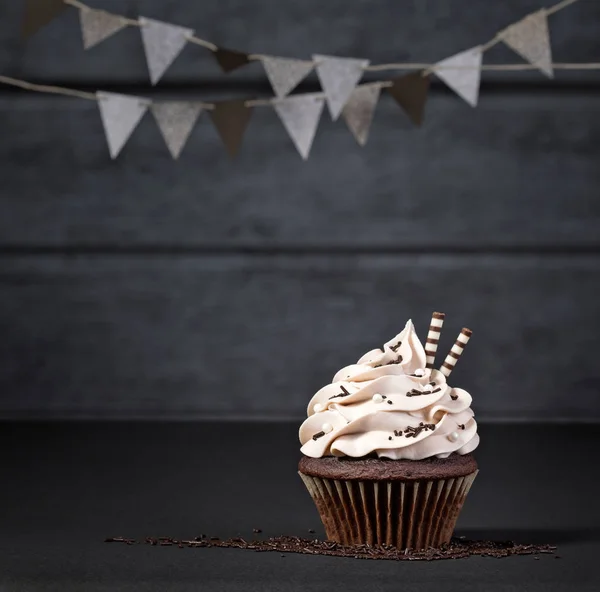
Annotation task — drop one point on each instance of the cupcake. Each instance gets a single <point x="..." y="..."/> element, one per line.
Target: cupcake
<point x="387" y="445"/>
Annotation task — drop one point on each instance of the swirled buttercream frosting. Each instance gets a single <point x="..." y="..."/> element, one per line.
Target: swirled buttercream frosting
<point x="390" y="404"/>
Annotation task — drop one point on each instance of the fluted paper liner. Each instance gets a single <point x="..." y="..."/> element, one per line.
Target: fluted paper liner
<point x="405" y="514"/>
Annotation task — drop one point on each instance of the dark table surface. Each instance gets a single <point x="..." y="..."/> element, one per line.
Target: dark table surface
<point x="68" y="486"/>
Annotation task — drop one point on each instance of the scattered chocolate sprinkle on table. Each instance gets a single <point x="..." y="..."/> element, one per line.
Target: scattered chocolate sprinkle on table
<point x="458" y="548"/>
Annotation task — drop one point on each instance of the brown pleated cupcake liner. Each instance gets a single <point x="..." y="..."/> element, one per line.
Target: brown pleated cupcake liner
<point x="411" y="514"/>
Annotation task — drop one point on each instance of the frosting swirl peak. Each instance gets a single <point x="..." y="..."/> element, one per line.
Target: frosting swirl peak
<point x="390" y="404"/>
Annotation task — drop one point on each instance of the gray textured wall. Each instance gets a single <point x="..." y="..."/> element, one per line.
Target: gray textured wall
<point x="147" y="287"/>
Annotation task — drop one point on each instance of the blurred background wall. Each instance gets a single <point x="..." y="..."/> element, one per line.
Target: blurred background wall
<point x="148" y="288"/>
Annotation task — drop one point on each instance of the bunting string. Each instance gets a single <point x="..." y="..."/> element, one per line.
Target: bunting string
<point x="299" y="113"/>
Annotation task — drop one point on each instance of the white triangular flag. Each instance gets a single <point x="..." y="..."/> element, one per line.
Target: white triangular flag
<point x="97" y="25"/>
<point x="163" y="42"/>
<point x="120" y="115"/>
<point x="176" y="120"/>
<point x="338" y="77"/>
<point x="359" y="111"/>
<point x="530" y="39"/>
<point x="300" y="116"/>
<point x="462" y="73"/>
<point x="285" y="74"/>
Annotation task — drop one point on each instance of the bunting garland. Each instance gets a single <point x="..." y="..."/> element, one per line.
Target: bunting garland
<point x="359" y="111"/>
<point x="300" y="113"/>
<point x="285" y="74"/>
<point x="300" y="116"/>
<point x="120" y="115"/>
<point x="462" y="73"/>
<point x="96" y="26"/>
<point x="531" y="39"/>
<point x="339" y="77"/>
<point x="176" y="120"/>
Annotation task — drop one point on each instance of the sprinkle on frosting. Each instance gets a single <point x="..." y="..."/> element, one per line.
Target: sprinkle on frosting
<point x="318" y="435"/>
<point x="345" y="392"/>
<point x="415" y="393"/>
<point x="413" y="432"/>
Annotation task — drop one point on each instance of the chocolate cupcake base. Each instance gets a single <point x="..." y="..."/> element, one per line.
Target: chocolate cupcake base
<point x="399" y="510"/>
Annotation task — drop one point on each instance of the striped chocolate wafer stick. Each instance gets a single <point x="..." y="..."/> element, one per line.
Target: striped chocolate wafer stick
<point x="456" y="351"/>
<point x="433" y="337"/>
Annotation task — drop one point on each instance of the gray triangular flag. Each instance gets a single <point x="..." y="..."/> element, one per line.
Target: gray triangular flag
<point x="163" y="42"/>
<point x="359" y="110"/>
<point x="339" y="77"/>
<point x="285" y="74"/>
<point x="300" y="116"/>
<point x="176" y="120"/>
<point x="97" y="25"/>
<point x="530" y="38"/>
<point x="120" y="115"/>
<point x="462" y="73"/>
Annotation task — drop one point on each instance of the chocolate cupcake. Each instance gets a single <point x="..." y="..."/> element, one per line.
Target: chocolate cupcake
<point x="387" y="446"/>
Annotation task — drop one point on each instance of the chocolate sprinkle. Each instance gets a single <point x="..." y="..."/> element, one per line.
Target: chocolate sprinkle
<point x="318" y="435"/>
<point x="454" y="397"/>
<point x="412" y="432"/>
<point x="415" y="393"/>
<point x="394" y="348"/>
<point x="344" y="393"/>
<point x="389" y="402"/>
<point x="397" y="361"/>
<point x="457" y="548"/>
<point x="461" y="426"/>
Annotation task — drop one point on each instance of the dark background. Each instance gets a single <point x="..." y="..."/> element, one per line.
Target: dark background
<point x="209" y="290"/>
<point x="147" y="288"/>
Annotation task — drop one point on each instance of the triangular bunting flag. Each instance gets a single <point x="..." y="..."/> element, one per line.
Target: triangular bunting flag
<point x="285" y="74"/>
<point x="231" y="119"/>
<point x="176" y="120"/>
<point x="339" y="77"/>
<point x="120" y="115"/>
<point x="410" y="92"/>
<point x="359" y="111"/>
<point x="97" y="25"/>
<point x="230" y="60"/>
<point x="300" y="116"/>
<point x="163" y="42"/>
<point x="530" y="39"/>
<point x="462" y="73"/>
<point x="38" y="13"/>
